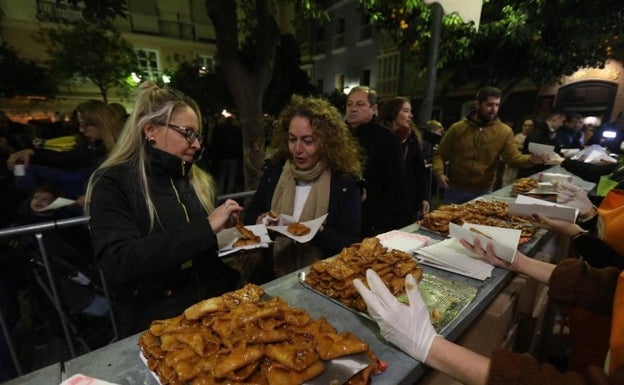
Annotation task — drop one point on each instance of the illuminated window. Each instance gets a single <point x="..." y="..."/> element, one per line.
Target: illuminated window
<point x="205" y="63"/>
<point x="148" y="62"/>
<point x="340" y="82"/>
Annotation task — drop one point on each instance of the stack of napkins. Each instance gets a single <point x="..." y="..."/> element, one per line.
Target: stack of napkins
<point x="527" y="206"/>
<point x="450" y="255"/>
<point x="402" y="240"/>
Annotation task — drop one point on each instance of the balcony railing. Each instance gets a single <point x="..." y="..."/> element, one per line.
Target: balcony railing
<point x="50" y="11"/>
<point x="319" y="48"/>
<point x="366" y="32"/>
<point x="338" y="41"/>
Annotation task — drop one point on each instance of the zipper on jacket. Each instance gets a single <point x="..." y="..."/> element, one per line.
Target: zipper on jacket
<point x="175" y="190"/>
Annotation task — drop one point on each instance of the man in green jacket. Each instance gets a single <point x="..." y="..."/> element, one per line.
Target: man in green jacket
<point x="472" y="148"/>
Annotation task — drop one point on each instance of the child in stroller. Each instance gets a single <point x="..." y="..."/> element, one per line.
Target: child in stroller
<point x="70" y="260"/>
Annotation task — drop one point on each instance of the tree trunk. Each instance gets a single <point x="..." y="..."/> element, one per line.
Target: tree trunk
<point x="104" y="92"/>
<point x="246" y="81"/>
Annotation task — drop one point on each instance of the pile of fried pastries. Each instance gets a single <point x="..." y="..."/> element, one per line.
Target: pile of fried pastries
<point x="524" y="185"/>
<point x="334" y="276"/>
<point x="238" y="339"/>
<point x="479" y="212"/>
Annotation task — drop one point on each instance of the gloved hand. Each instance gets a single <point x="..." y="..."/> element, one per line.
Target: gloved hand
<point x="574" y="196"/>
<point x="553" y="159"/>
<point x="406" y="326"/>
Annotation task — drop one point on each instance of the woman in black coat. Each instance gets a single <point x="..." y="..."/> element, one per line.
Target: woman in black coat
<point x="153" y="221"/>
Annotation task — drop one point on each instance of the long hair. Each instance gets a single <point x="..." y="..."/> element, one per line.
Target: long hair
<point x="153" y="104"/>
<point x="390" y="110"/>
<point x="337" y="146"/>
<point x="101" y="115"/>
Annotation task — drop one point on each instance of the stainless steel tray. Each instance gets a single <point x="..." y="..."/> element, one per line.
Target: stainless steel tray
<point x="444" y="298"/>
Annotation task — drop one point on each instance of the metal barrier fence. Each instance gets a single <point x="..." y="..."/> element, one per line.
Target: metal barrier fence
<point x="38" y="230"/>
<point x="238" y="195"/>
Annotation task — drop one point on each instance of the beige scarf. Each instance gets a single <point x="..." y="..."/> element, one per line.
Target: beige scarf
<point x="316" y="204"/>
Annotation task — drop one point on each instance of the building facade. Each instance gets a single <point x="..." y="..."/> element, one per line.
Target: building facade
<point x="162" y="32"/>
<point x="348" y="51"/>
<point x="341" y="53"/>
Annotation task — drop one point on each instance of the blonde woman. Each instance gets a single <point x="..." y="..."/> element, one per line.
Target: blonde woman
<point x="153" y="221"/>
<point x="68" y="171"/>
<point x="315" y="169"/>
<point x="100" y="127"/>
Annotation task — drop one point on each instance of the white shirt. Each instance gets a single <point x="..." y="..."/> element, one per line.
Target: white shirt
<point x="302" y="190"/>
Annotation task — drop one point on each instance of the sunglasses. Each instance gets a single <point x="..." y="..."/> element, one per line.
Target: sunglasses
<point x="188" y="133"/>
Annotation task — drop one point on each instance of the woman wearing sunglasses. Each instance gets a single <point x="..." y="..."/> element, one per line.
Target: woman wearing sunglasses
<point x="153" y="220"/>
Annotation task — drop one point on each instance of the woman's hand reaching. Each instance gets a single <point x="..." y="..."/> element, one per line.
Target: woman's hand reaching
<point x="488" y="255"/>
<point x="566" y="228"/>
<point x="223" y="215"/>
<point x="535" y="269"/>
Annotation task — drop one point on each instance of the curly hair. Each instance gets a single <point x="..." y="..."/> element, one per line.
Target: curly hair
<point x="337" y="146"/>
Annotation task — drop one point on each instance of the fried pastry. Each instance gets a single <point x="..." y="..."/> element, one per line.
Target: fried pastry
<point x="238" y="339"/>
<point x="240" y="242"/>
<point x="334" y="276"/>
<point x="298" y="228"/>
<point x="523" y="185"/>
<point x="248" y="237"/>
<point x="477" y="231"/>
<point x="481" y="212"/>
<point x="249" y="293"/>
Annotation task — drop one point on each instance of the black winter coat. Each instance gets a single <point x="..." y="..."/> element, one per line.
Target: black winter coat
<point x="384" y="178"/>
<point x="155" y="273"/>
<point x="541" y="135"/>
<point x="416" y="182"/>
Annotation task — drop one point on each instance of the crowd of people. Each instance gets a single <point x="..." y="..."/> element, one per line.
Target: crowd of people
<point x="154" y="213"/>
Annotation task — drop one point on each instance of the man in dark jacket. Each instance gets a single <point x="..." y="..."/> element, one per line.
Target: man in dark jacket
<point x="384" y="173"/>
<point x="570" y="134"/>
<point x="544" y="133"/>
<point x="610" y="135"/>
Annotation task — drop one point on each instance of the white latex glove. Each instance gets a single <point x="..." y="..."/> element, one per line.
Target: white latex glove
<point x="553" y="159"/>
<point x="573" y="196"/>
<point x="406" y="326"/>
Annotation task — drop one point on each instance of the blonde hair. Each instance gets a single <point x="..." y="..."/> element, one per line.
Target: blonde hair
<point x="337" y="146"/>
<point x="153" y="103"/>
<point x="433" y="124"/>
<point x="101" y="115"/>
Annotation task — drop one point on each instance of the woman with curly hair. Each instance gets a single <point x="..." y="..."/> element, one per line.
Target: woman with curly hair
<point x="314" y="169"/>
